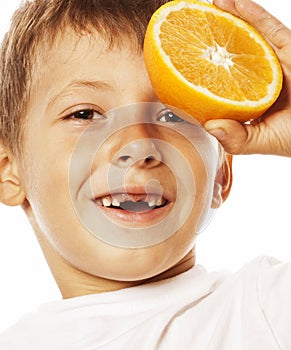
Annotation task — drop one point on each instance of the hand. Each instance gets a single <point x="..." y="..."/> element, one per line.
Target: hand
<point x="271" y="133"/>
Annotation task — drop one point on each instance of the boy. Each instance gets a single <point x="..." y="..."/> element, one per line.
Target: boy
<point x="116" y="187"/>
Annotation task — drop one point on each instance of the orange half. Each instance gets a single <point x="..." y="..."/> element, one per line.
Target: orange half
<point x="210" y="63"/>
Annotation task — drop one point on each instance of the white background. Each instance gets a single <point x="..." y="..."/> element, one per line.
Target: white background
<point x="255" y="220"/>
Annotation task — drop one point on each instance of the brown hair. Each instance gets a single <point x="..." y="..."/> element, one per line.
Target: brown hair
<point x="36" y="23"/>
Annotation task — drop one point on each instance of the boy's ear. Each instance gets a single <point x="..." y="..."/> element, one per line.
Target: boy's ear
<point x="223" y="182"/>
<point x="11" y="192"/>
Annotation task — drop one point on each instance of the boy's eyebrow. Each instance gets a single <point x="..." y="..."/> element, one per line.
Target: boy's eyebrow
<point x="75" y="84"/>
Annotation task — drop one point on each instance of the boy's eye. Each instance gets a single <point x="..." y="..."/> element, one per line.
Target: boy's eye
<point x="167" y="116"/>
<point x="86" y="114"/>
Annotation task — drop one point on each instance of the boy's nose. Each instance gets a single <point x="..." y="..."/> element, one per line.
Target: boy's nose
<point x="142" y="153"/>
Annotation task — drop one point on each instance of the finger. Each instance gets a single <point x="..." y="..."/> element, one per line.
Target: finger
<point x="226" y="5"/>
<point x="274" y="30"/>
<point x="237" y="138"/>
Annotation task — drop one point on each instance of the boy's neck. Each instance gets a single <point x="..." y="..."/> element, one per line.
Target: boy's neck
<point x="74" y="283"/>
<point x="81" y="283"/>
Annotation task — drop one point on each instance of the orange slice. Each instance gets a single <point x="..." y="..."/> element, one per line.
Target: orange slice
<point x="210" y="63"/>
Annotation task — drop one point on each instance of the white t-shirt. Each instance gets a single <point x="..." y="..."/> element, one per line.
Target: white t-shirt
<point x="198" y="310"/>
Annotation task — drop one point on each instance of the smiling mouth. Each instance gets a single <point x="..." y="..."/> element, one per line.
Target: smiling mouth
<point x="137" y="203"/>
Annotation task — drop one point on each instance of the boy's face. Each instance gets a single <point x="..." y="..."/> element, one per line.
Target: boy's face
<point x="118" y="195"/>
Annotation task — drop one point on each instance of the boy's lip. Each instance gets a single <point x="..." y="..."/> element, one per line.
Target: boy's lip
<point x="137" y="218"/>
<point x="136" y="205"/>
<point x="138" y="192"/>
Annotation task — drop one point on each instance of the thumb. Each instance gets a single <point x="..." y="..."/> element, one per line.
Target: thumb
<point x="237" y="138"/>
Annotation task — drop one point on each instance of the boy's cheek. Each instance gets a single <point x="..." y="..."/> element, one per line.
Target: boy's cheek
<point x="43" y="173"/>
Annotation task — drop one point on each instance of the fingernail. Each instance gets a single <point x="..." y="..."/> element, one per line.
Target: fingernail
<point x="218" y="133"/>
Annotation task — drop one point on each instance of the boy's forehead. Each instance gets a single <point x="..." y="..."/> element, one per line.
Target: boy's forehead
<point x="85" y="54"/>
<point x="70" y="48"/>
<point x="68" y="44"/>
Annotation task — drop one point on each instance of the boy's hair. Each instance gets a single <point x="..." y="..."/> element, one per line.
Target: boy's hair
<point x="34" y="27"/>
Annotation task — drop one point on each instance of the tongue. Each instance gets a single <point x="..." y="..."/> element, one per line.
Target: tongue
<point x="135" y="206"/>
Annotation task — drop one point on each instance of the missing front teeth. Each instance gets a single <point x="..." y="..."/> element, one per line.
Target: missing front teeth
<point x="140" y="206"/>
<point x="122" y="201"/>
<point x="135" y="206"/>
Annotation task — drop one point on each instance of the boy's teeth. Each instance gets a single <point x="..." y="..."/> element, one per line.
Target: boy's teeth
<point x="155" y="201"/>
<point x="152" y="202"/>
<point x="106" y="201"/>
<point x="115" y="202"/>
<point x="159" y="201"/>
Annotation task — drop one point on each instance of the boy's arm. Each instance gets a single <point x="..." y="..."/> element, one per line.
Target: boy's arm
<point x="271" y="134"/>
